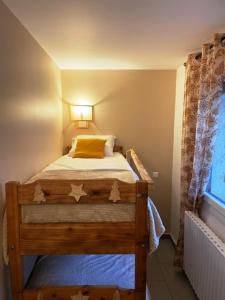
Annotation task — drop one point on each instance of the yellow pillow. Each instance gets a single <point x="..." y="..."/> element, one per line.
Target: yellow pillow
<point x="90" y="148"/>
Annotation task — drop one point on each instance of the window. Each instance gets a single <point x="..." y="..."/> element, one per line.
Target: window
<point x="217" y="183"/>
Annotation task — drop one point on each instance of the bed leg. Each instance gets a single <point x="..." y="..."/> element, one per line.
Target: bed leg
<point x="141" y="240"/>
<point x="13" y="223"/>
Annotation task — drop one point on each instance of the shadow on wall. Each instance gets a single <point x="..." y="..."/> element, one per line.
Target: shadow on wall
<point x="126" y="115"/>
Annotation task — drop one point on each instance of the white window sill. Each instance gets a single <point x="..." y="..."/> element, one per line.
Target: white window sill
<point x="213" y="201"/>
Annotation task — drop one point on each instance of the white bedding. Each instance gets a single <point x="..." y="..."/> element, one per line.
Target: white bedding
<point x="69" y="168"/>
<point x="115" y="162"/>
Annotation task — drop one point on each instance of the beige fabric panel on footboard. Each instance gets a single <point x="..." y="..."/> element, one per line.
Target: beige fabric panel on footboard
<point x="54" y="213"/>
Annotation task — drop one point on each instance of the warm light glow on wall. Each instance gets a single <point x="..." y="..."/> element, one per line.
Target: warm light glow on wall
<point x="83" y="101"/>
<point x="93" y="63"/>
<point x="81" y="113"/>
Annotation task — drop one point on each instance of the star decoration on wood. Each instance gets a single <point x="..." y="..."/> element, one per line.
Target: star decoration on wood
<point x="39" y="194"/>
<point x="115" y="193"/>
<point x="77" y="191"/>
<point x="79" y="296"/>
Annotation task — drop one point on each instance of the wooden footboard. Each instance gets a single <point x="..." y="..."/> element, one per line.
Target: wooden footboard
<point x="77" y="238"/>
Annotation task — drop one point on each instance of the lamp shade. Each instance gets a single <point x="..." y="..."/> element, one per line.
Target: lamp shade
<point x="81" y="112"/>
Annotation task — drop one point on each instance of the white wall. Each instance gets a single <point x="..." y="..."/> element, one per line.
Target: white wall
<point x="30" y="109"/>
<point x="175" y="195"/>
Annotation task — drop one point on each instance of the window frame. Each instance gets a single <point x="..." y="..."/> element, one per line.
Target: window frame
<point x="209" y="196"/>
<point x="213" y="201"/>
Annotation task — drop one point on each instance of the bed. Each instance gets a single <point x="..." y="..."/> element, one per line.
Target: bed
<point x="81" y="219"/>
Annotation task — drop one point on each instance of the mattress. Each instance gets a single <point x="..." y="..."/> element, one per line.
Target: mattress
<point x="67" y="167"/>
<point x="96" y="270"/>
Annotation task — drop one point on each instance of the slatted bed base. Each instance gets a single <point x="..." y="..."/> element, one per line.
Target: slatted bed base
<point x="77" y="238"/>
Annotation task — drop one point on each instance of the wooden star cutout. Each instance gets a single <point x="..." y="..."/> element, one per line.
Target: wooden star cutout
<point x="79" y="296"/>
<point x="38" y="194"/>
<point x="77" y="191"/>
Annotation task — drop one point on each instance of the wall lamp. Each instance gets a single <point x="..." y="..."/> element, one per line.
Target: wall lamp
<point x="82" y="114"/>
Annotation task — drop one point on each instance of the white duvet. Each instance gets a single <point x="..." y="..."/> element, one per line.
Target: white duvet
<point x="69" y="168"/>
<point x="116" y="162"/>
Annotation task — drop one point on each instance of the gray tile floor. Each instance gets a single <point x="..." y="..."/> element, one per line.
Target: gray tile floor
<point x="164" y="280"/>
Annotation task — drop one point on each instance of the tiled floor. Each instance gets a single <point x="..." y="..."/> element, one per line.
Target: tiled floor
<point x="164" y="280"/>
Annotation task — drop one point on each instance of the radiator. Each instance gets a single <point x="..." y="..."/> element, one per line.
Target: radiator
<point x="204" y="259"/>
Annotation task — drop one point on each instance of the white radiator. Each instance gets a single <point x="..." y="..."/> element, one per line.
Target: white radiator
<point x="204" y="259"/>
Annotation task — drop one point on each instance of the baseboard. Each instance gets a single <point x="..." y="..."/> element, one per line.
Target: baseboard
<point x="170" y="236"/>
<point x="173" y="239"/>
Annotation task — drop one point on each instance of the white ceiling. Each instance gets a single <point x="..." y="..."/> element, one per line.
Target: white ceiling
<point x="120" y="34"/>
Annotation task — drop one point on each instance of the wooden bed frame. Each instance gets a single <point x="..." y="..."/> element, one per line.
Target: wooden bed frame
<point x="79" y="238"/>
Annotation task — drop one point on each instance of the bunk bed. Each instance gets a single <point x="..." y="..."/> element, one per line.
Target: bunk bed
<point x="125" y="236"/>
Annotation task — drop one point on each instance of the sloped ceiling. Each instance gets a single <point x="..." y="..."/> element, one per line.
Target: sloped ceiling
<point x="120" y="34"/>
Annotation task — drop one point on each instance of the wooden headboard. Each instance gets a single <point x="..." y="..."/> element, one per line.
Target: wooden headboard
<point x="118" y="149"/>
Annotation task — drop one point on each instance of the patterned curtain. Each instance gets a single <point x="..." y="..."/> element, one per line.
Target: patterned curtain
<point x="205" y="74"/>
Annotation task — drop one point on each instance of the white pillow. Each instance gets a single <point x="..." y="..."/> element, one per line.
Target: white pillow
<point x="109" y="145"/>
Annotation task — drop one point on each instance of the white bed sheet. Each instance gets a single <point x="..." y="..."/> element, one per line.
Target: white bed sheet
<point x="70" y="168"/>
<point x="115" y="162"/>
